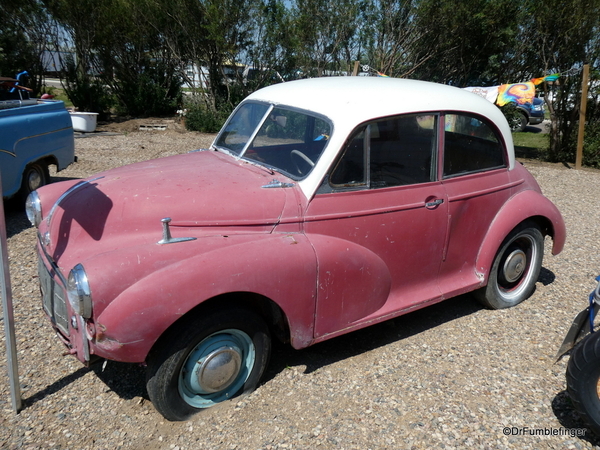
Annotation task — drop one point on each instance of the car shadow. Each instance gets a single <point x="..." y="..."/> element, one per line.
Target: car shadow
<point x="569" y="419"/>
<point x="546" y="276"/>
<point x="14" y="212"/>
<point x="126" y="380"/>
<point x="533" y="129"/>
<point x="361" y="341"/>
<point x="15" y="218"/>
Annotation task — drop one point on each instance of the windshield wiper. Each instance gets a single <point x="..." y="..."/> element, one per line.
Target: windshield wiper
<point x="258" y="164"/>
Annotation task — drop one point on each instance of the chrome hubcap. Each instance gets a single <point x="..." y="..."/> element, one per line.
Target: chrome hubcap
<point x="515" y="265"/>
<point x="218" y="370"/>
<point x="34" y="180"/>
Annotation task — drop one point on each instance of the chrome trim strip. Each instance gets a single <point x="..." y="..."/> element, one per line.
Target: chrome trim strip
<point x="277" y="184"/>
<point x="84" y="339"/>
<point x="14" y="153"/>
<point x="41" y="134"/>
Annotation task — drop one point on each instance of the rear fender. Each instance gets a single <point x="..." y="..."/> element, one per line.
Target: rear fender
<point x="525" y="205"/>
<point x="130" y="325"/>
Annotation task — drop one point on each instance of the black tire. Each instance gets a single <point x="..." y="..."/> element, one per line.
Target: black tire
<point x="516" y="268"/>
<point x="583" y="380"/>
<point x="234" y="345"/>
<point x="35" y="176"/>
<point x="519" y="122"/>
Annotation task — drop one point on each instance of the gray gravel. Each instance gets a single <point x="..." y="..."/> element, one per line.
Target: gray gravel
<point x="450" y="376"/>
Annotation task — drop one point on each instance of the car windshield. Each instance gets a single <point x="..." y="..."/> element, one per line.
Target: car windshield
<point x="287" y="140"/>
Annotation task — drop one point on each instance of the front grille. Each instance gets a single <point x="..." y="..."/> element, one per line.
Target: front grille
<point x="54" y="297"/>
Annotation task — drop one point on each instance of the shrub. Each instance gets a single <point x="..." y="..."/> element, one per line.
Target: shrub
<point x="512" y="114"/>
<point x="567" y="151"/>
<point x="150" y="93"/>
<point x="199" y="117"/>
<point x="591" y="145"/>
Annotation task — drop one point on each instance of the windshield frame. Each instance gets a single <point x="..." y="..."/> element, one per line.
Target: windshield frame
<point x="223" y="130"/>
<point x="242" y="155"/>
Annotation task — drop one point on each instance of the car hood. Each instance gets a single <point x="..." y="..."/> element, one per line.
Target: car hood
<point x="201" y="192"/>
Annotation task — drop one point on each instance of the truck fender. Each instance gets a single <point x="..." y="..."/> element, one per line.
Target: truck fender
<point x="131" y="324"/>
<point x="525" y="205"/>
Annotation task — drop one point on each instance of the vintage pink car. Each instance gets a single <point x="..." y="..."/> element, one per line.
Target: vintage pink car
<point x="323" y="206"/>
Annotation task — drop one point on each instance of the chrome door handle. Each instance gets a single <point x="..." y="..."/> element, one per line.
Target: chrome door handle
<point x="433" y="204"/>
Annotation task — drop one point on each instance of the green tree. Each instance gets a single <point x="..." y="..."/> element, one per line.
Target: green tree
<point x="274" y="45"/>
<point x="467" y="41"/>
<point x="74" y="41"/>
<point x="390" y="36"/>
<point x="118" y="52"/>
<point x="561" y="36"/>
<point x="23" y="39"/>
<point x="326" y="34"/>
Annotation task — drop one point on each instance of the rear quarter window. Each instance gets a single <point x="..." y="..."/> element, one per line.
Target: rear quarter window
<point x="470" y="145"/>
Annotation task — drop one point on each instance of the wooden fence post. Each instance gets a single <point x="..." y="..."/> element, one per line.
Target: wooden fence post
<point x="584" y="93"/>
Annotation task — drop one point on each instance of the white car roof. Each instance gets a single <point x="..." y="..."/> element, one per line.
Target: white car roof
<point x="349" y="101"/>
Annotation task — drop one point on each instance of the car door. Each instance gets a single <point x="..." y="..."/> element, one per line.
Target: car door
<point x="476" y="179"/>
<point x="378" y="224"/>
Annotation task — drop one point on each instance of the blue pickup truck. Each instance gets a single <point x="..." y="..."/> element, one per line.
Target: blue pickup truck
<point x="34" y="134"/>
<point x="529" y="114"/>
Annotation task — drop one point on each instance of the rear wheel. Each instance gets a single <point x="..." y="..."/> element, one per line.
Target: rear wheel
<point x="516" y="268"/>
<point x="583" y="380"/>
<point x="206" y="360"/>
<point x="35" y="176"/>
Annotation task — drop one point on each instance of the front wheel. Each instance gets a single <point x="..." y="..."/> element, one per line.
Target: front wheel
<point x="583" y="380"/>
<point x="518" y="122"/>
<point x="206" y="360"/>
<point x="516" y="268"/>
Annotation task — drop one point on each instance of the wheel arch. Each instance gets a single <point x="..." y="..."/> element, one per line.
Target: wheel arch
<point x="525" y="206"/>
<point x="523" y="111"/>
<point x="272" y="314"/>
<point x="282" y="291"/>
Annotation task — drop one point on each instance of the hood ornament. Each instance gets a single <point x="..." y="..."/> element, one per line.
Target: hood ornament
<point x="277" y="184"/>
<point x="167" y="238"/>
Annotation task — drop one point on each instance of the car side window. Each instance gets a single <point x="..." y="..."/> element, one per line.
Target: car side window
<point x="388" y="152"/>
<point x="350" y="169"/>
<point x="470" y="145"/>
<point x="401" y="150"/>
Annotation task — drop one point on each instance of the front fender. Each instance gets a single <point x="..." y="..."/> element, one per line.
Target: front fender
<point x="527" y="204"/>
<point x="278" y="266"/>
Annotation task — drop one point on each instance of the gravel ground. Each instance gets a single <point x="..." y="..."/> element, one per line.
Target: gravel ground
<point x="453" y="375"/>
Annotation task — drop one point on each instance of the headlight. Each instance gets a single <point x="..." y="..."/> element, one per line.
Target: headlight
<point x="33" y="208"/>
<point x="78" y="291"/>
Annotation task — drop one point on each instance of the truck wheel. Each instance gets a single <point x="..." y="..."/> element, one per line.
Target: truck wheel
<point x="522" y="122"/>
<point x="206" y="360"/>
<point x="516" y="268"/>
<point x="35" y="176"/>
<point x="518" y="122"/>
<point x="583" y="380"/>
